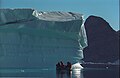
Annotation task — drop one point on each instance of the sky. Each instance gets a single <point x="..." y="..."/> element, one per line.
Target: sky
<point x="107" y="9"/>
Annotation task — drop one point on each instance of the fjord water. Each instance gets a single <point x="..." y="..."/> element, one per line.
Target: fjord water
<point x="52" y="73"/>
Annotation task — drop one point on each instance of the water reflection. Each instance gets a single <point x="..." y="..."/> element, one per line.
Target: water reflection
<point x="77" y="74"/>
<point x="69" y="74"/>
<point x="63" y="74"/>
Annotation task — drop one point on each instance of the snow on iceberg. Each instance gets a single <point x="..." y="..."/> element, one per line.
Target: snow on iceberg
<point x="30" y="38"/>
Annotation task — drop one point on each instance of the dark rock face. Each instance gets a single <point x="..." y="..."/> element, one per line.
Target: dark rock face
<point x="118" y="33"/>
<point x="103" y="41"/>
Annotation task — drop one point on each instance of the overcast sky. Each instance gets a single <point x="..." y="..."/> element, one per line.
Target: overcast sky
<point x="107" y="9"/>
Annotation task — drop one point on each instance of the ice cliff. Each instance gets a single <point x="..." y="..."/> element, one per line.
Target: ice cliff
<point x="30" y="38"/>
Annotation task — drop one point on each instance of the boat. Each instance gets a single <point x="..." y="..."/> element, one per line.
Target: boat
<point x="61" y="67"/>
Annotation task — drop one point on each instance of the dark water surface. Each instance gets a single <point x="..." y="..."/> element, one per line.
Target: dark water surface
<point x="52" y="73"/>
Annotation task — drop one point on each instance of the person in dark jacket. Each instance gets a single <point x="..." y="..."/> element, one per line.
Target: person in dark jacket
<point x="69" y="65"/>
<point x="58" y="66"/>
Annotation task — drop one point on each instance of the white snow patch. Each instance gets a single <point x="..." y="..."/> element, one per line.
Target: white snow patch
<point x="57" y="16"/>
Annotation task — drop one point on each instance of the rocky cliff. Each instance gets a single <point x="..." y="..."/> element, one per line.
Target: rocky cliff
<point x="103" y="41"/>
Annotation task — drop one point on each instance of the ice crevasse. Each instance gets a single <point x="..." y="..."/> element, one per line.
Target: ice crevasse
<point x="31" y="38"/>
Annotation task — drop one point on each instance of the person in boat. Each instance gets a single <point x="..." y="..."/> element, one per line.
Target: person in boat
<point x="69" y="65"/>
<point x="58" y="66"/>
<point x="62" y="65"/>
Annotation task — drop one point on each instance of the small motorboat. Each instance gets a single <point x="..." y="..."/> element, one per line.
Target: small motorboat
<point x="61" y="66"/>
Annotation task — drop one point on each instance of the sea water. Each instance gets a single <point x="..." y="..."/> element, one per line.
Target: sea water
<point x="52" y="73"/>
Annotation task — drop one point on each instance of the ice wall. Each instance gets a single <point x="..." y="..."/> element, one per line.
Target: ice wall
<point x="30" y="38"/>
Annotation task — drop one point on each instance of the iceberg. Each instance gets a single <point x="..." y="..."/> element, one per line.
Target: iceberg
<point x="37" y="39"/>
